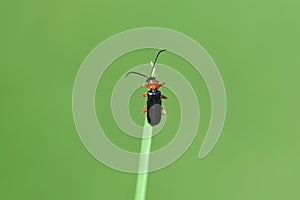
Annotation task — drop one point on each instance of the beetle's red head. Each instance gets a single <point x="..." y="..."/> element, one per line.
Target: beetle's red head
<point x="153" y="85"/>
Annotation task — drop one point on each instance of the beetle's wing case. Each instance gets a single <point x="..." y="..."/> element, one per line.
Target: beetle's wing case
<point x="154" y="114"/>
<point x="153" y="107"/>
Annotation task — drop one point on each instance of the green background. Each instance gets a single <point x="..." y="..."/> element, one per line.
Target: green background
<point x="256" y="47"/>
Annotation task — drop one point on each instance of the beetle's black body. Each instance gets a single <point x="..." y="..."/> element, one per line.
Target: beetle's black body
<point x="154" y="107"/>
<point x="154" y="97"/>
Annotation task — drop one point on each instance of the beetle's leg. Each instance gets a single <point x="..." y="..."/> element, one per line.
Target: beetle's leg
<point x="163" y="111"/>
<point x="163" y="97"/>
<point x="144" y="94"/>
<point x="144" y="110"/>
<point x="146" y="86"/>
<point x="161" y="84"/>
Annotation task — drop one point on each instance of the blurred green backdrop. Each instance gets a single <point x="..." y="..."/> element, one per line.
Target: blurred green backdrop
<point x="255" y="45"/>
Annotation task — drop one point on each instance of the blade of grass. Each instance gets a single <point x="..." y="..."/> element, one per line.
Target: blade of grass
<point x="141" y="185"/>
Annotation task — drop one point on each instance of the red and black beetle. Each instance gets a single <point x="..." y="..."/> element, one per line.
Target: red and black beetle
<point x="154" y="104"/>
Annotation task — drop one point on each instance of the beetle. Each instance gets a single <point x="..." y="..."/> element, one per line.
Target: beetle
<point x="154" y="107"/>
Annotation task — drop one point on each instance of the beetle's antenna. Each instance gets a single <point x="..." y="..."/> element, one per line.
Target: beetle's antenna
<point x="137" y="74"/>
<point x="153" y="65"/>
